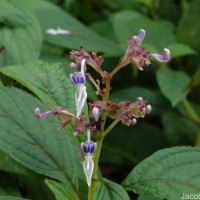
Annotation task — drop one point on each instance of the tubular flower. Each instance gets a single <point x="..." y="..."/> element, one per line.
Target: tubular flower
<point x="88" y="149"/>
<point x="81" y="94"/>
<point x="136" y="54"/>
<point x="43" y="115"/>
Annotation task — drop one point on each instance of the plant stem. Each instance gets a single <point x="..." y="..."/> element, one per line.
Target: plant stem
<point x="94" y="175"/>
<point x="100" y="140"/>
<point x="195" y="117"/>
<point x="191" y="111"/>
<point x="114" y="123"/>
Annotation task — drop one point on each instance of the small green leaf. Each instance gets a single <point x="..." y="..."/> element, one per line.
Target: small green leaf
<point x="167" y="174"/>
<point x="20" y="34"/>
<point x="61" y="191"/>
<point x="110" y="191"/>
<point x="173" y="84"/>
<point x="178" y="49"/>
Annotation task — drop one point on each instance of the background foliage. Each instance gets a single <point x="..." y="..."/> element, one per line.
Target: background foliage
<point x="35" y="71"/>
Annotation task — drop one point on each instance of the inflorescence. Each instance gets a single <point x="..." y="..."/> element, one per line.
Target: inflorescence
<point x="127" y="112"/>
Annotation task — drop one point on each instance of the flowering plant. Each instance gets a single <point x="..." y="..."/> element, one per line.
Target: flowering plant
<point x="107" y="125"/>
<point x="127" y="112"/>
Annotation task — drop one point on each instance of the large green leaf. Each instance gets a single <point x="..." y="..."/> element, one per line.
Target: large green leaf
<point x="20" y="34"/>
<point x="110" y="191"/>
<point x="39" y="145"/>
<point x="11" y="198"/>
<point x="173" y="84"/>
<point x="188" y="32"/>
<point x="61" y="191"/>
<point x="179" y="130"/>
<point x="48" y="81"/>
<point x="144" y="197"/>
<point x="158" y="33"/>
<point x="178" y="49"/>
<point x="81" y="35"/>
<point x="143" y="140"/>
<point x="167" y="174"/>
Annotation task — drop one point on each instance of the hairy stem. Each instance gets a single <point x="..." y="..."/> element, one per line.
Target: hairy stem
<point x="114" y="123"/>
<point x="94" y="175"/>
<point x="99" y="141"/>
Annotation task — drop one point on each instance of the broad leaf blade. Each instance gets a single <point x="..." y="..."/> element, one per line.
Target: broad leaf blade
<point x="110" y="191"/>
<point x="188" y="32"/>
<point x="48" y="81"/>
<point x="178" y="49"/>
<point x="11" y="198"/>
<point x="39" y="145"/>
<point x="61" y="191"/>
<point x="20" y="34"/>
<point x="167" y="173"/>
<point x="173" y="84"/>
<point x="81" y="35"/>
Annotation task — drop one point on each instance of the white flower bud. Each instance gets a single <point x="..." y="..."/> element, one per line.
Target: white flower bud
<point x="96" y="113"/>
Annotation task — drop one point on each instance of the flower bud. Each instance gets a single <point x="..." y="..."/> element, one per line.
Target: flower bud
<point x="96" y="113"/>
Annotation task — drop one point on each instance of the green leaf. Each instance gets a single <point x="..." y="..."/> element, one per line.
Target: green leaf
<point x="158" y="33"/>
<point x="142" y="197"/>
<point x="48" y="81"/>
<point x="61" y="191"/>
<point x="167" y="174"/>
<point x="110" y="191"/>
<point x="8" y="164"/>
<point x="173" y="84"/>
<point x="157" y="101"/>
<point x="38" y="145"/>
<point x="179" y="130"/>
<point x="143" y="140"/>
<point x="20" y="33"/>
<point x="188" y="32"/>
<point x="178" y="49"/>
<point x="81" y="35"/>
<point x="196" y="78"/>
<point x="11" y="198"/>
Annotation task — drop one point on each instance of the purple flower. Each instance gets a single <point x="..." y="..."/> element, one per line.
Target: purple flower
<point x="88" y="147"/>
<point x="162" y="58"/>
<point x="77" y="78"/>
<point x="40" y="115"/>
<point x="136" y="54"/>
<point x="138" y="38"/>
